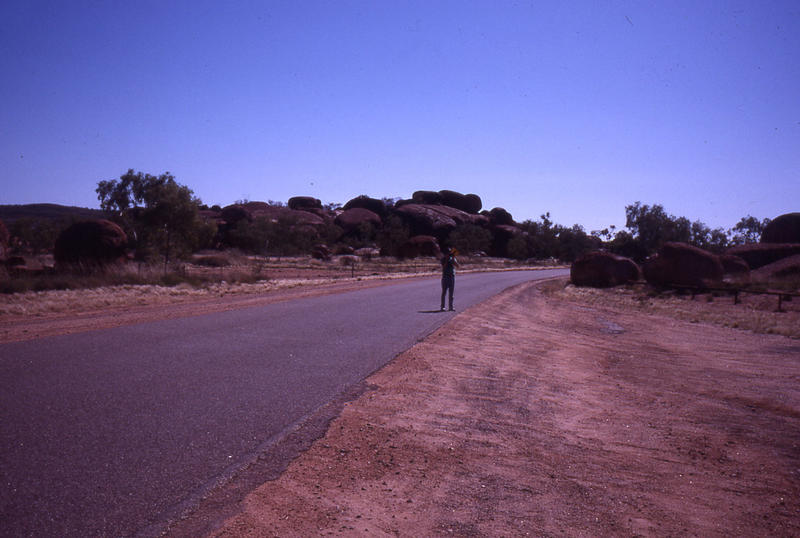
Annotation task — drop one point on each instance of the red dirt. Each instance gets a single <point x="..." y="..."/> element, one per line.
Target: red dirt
<point x="535" y="415"/>
<point x="528" y="415"/>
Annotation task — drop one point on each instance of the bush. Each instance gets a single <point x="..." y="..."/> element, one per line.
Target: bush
<point x="392" y="236"/>
<point x="470" y="239"/>
<point x="212" y="261"/>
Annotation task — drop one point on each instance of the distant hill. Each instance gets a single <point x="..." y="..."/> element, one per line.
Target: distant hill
<point x="11" y="213"/>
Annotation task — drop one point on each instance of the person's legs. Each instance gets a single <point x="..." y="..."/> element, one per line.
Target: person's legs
<point x="452" y="288"/>
<point x="444" y="291"/>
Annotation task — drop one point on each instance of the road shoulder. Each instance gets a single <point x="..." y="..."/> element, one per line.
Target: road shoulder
<point x="528" y="415"/>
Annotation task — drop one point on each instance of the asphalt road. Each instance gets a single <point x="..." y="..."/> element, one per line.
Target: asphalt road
<point x="108" y="433"/>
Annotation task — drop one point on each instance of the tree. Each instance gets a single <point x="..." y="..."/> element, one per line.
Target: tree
<point x="704" y="237"/>
<point x="36" y="235"/>
<point x="747" y="230"/>
<point x="652" y="227"/>
<point x="542" y="239"/>
<point x="161" y="213"/>
<point x="519" y="247"/>
<point x="470" y="239"/>
<point x="573" y="242"/>
<point x="624" y="244"/>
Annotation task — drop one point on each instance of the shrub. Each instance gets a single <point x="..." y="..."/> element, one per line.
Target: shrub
<point x="470" y="239"/>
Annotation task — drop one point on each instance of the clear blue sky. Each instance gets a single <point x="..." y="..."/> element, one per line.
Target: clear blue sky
<point x="576" y="108"/>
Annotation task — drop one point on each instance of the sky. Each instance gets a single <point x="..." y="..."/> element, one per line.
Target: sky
<point x="573" y="108"/>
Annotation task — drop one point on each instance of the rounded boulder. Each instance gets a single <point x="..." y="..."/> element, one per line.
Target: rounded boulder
<point x="93" y="242"/>
<point x="365" y="202"/>
<point x="760" y="254"/>
<point x="782" y="229"/>
<point x="735" y="268"/>
<point x="601" y="269"/>
<point x="681" y="264"/>
<point x="351" y="219"/>
<point x="420" y="245"/>
<point x="427" y="197"/>
<point x="234" y="213"/>
<point x="469" y="203"/>
<point x="427" y="219"/>
<point x="500" y="217"/>
<point x="304" y="203"/>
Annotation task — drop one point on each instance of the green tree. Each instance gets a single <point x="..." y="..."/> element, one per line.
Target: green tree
<point x="542" y="239"/>
<point x="624" y="244"/>
<point x="470" y="239"/>
<point x="573" y="242"/>
<point x="161" y="213"/>
<point x="747" y="230"/>
<point x="651" y="226"/>
<point x="252" y="236"/>
<point x="282" y="237"/>
<point x="36" y="236"/>
<point x="704" y="237"/>
<point x="519" y="247"/>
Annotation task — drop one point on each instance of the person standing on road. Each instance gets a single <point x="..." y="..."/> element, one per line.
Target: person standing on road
<point x="449" y="264"/>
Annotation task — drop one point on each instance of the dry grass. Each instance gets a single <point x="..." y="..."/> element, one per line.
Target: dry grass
<point x="756" y="313"/>
<point x="241" y="275"/>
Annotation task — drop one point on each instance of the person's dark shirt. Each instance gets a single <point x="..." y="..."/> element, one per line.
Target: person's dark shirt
<point x="449" y="266"/>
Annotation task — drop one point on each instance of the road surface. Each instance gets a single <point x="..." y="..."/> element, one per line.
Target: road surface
<point x="114" y="432"/>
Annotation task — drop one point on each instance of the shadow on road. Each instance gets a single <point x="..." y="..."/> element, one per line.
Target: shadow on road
<point x="431" y="311"/>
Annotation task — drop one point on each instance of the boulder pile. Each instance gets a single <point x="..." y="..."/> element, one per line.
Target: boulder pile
<point x="426" y="215"/>
<point x="777" y="255"/>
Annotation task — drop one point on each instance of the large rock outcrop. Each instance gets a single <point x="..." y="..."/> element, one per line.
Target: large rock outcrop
<point x="308" y="204"/>
<point x="308" y="217"/>
<point x="92" y="242"/>
<point x="436" y="220"/>
<point x="782" y="229"/>
<point x="786" y="268"/>
<point x="600" y="269"/>
<point x="502" y="234"/>
<point x="680" y="264"/>
<point x="304" y="203"/>
<point x="461" y="217"/>
<point x="500" y="217"/>
<point x="365" y="202"/>
<point x="760" y="254"/>
<point x="351" y="219"/>
<point x="735" y="269"/>
<point x="426" y="198"/>
<point x="468" y="203"/>
<point x="427" y="220"/>
<point x="420" y="245"/>
<point x="321" y="252"/>
<point x="232" y="214"/>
